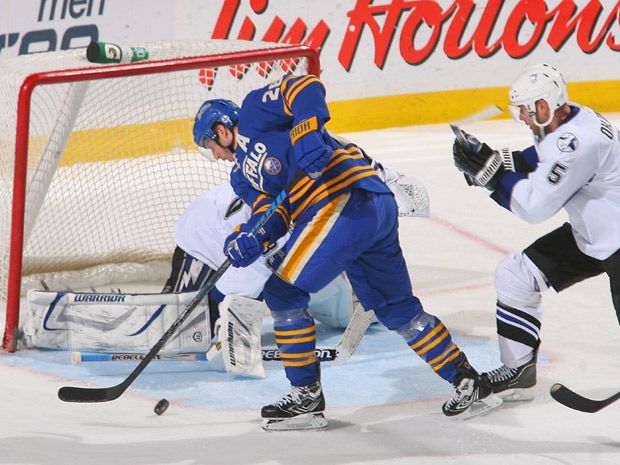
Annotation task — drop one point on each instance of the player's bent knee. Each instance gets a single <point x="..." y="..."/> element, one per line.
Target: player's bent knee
<point x="518" y="281"/>
<point x="295" y="316"/>
<point x="394" y="316"/>
<point x="280" y="295"/>
<point x="415" y="326"/>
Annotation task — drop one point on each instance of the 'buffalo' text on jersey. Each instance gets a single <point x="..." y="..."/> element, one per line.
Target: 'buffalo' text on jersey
<point x="578" y="169"/>
<point x="266" y="162"/>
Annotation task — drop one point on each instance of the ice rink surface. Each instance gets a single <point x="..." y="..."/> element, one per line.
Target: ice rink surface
<point x="384" y="405"/>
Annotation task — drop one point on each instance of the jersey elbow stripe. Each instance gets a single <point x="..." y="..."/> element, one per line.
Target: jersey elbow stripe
<point x="297" y="87"/>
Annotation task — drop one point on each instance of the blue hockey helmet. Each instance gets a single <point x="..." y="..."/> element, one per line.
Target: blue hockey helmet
<point x="209" y="114"/>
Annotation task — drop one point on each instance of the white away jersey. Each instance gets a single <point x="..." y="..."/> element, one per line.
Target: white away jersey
<point x="579" y="170"/>
<point x="202" y="229"/>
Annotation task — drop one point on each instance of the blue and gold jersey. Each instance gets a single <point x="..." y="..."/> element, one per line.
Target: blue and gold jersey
<point x="266" y="161"/>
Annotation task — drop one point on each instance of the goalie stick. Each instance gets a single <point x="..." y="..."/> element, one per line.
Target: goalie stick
<point x="106" y="394"/>
<point x="571" y="399"/>
<point x="339" y="354"/>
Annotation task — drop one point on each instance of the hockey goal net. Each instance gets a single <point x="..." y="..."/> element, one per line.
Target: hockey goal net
<point x="97" y="161"/>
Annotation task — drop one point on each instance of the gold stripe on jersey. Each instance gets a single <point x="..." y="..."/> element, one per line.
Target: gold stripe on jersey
<point x="332" y="187"/>
<point x="311" y="238"/>
<point x="290" y="93"/>
<point x="281" y="210"/>
<point x="337" y="157"/>
<point x="301" y="188"/>
<point x="283" y="89"/>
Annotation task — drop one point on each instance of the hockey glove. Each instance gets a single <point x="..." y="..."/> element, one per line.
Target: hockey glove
<point x="243" y="248"/>
<point x="481" y="165"/>
<point x="312" y="153"/>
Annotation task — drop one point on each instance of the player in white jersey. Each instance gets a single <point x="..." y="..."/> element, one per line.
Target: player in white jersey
<point x="574" y="164"/>
<point x="206" y="223"/>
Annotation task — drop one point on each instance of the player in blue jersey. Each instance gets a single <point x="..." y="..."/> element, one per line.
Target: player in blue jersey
<point x="341" y="217"/>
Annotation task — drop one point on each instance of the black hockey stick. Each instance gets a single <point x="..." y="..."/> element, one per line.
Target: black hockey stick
<point x="85" y="394"/>
<point x="571" y="399"/>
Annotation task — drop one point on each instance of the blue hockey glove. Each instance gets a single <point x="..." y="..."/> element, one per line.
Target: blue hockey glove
<point x="243" y="248"/>
<point x="312" y="153"/>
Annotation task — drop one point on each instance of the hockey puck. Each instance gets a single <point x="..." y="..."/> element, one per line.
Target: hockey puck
<point x="161" y="406"/>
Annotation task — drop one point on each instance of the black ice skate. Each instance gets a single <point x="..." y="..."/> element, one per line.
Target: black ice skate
<point x="469" y="388"/>
<point x="302" y="408"/>
<point x="513" y="382"/>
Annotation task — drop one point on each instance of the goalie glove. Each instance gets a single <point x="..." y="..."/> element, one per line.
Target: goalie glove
<point x="481" y="165"/>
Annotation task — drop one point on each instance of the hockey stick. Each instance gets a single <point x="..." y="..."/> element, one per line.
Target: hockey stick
<point x="571" y="399"/>
<point x="84" y="394"/>
<point x="339" y="354"/>
<point x="485" y="113"/>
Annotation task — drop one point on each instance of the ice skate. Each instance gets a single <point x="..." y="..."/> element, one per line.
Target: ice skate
<point x="472" y="395"/>
<point x="513" y="383"/>
<point x="301" y="408"/>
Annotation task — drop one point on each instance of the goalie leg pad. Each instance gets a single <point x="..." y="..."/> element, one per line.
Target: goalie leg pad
<point x="113" y="322"/>
<point x="239" y="335"/>
<point x="333" y="305"/>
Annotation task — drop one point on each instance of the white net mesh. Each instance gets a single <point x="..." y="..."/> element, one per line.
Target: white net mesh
<point x="111" y="162"/>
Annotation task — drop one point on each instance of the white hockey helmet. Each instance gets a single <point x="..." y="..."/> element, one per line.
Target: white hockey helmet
<point x="538" y="82"/>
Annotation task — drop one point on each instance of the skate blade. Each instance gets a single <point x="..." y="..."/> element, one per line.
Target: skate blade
<point x="309" y="421"/>
<point x="481" y="407"/>
<point x="516" y="395"/>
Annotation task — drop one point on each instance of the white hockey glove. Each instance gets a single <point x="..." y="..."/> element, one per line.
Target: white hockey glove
<point x="410" y="194"/>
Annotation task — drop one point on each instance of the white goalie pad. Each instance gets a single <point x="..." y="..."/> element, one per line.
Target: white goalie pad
<point x="333" y="305"/>
<point x="111" y="322"/>
<point x="238" y="332"/>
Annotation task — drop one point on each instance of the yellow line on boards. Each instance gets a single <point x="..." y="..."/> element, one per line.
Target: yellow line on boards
<point x="137" y="140"/>
<point x="441" y="107"/>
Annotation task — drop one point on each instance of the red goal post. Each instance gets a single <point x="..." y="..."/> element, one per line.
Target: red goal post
<point x="34" y="202"/>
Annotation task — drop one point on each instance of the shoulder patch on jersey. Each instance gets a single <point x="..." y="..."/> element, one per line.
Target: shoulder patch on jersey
<point x="272" y="165"/>
<point x="568" y="142"/>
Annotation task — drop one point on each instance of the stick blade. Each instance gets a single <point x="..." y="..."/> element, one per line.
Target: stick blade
<point x="575" y="401"/>
<point x="88" y="395"/>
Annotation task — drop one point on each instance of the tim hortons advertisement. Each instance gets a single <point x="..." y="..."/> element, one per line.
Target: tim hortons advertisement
<point x="368" y="48"/>
<point x="420" y="46"/>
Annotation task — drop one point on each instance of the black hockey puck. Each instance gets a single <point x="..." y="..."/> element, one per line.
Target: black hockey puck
<point x="161" y="406"/>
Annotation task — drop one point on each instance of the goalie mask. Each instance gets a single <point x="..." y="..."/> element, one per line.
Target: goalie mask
<point x="538" y="82"/>
<point x="210" y="113"/>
